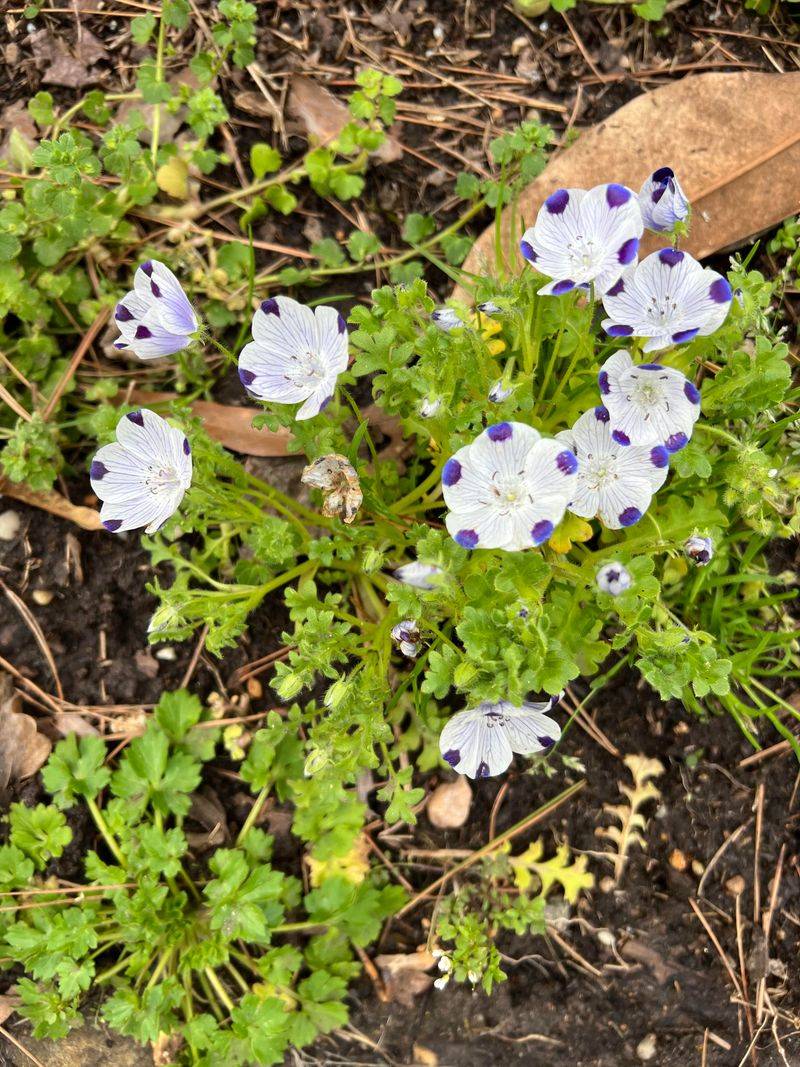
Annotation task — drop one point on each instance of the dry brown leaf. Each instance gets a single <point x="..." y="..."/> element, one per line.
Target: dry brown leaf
<point x="55" y="503"/>
<point x="23" y="749"/>
<point x="449" y="804"/>
<point x="70" y="722"/>
<point x="732" y="139"/>
<point x="62" y="66"/>
<point x="254" y="104"/>
<point x="322" y="116"/>
<point x="404" y="975"/>
<point x="8" y="1005"/>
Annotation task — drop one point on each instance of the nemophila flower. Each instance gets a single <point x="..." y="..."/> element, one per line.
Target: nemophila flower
<point x="508" y="489"/>
<point x="488" y="307"/>
<point x="141" y="478"/>
<point x="482" y="741"/>
<point x="338" y="480"/>
<point x="406" y="635"/>
<point x="430" y="406"/>
<point x="647" y="403"/>
<point x="615" y="482"/>
<point x="699" y="549"/>
<point x="582" y="238"/>
<point x="500" y="392"/>
<point x="613" y="578"/>
<point x="420" y="575"/>
<point x="447" y="319"/>
<point x="155" y="318"/>
<point x="662" y="201"/>
<point x="296" y="354"/>
<point x="667" y="298"/>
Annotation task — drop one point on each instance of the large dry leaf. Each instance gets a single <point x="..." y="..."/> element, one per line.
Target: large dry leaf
<point x="322" y="116"/>
<point x="732" y="139"/>
<point x="23" y="749"/>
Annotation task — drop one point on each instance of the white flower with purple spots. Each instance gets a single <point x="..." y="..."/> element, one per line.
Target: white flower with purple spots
<point x="662" y="201"/>
<point x="481" y="742"/>
<point x="500" y="392"/>
<point x="142" y="477"/>
<point x="614" y="482"/>
<point x="447" y="319"/>
<point x="155" y="318"/>
<point x="700" y="550"/>
<point x="419" y="575"/>
<point x="508" y="489"/>
<point x="406" y="635"/>
<point x="582" y="238"/>
<point x="296" y="354"/>
<point x="647" y="403"/>
<point x="668" y="299"/>
<point x="613" y="578"/>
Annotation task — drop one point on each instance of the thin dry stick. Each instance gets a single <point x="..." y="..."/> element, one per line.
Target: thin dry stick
<point x="36" y="630"/>
<point x="80" y="352"/>
<point x="22" y="1049"/>
<point x="761" y="991"/>
<point x="717" y="946"/>
<point x="743" y="968"/>
<point x="192" y="665"/>
<point x="18" y="409"/>
<point x="507" y="835"/>
<point x="757" y="853"/>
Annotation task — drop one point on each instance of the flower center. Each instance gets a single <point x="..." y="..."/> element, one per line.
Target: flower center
<point x="663" y="312"/>
<point x="646" y="393"/>
<point x="308" y="369"/>
<point x="600" y="471"/>
<point x="162" y="480"/>
<point x="584" y="254"/>
<point x="508" y="493"/>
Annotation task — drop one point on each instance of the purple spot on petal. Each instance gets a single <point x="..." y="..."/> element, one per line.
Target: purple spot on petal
<point x="670" y="256"/>
<point x="628" y="251"/>
<point x="136" y="417"/>
<point x="121" y="313"/>
<point x="121" y="344"/>
<point x="616" y="288"/>
<point x="541" y="531"/>
<point x="662" y="175"/>
<point x="720" y="292"/>
<point x="684" y="335"/>
<point x="246" y="377"/>
<point x="187" y="450"/>
<point x="692" y="392"/>
<point x="270" y="307"/>
<point x="97" y="470"/>
<point x="466" y="538"/>
<point x="483" y="769"/>
<point x="659" y="456"/>
<point x="658" y="193"/>
<point x="142" y="333"/>
<point x="325" y="402"/>
<point x="630" y="516"/>
<point x="147" y="268"/>
<point x="650" y="366"/>
<point x="154" y="289"/>
<point x="526" y="248"/>
<point x="603" y="382"/>
<point x="112" y="525"/>
<point x="452" y="756"/>
<point x="620" y="437"/>
<point x="451" y="472"/>
<point x="566" y="462"/>
<point x="618" y="330"/>
<point x="545" y="742"/>
<point x="557" y="202"/>
<point x="502" y="431"/>
<point x="564" y="286"/>
<point x="341" y="324"/>
<point x="601" y="413"/>
<point x="676" y="441"/>
<point x="617" y="195"/>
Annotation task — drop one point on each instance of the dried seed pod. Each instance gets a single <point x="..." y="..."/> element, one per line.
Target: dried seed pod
<point x="337" y="479"/>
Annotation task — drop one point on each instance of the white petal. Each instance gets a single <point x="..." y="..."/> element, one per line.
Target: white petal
<point x="474" y="748"/>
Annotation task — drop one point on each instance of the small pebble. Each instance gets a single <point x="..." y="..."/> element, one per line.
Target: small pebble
<point x="42" y="597"/>
<point x="735" y="885"/>
<point x="166" y="653"/>
<point x="10" y="524"/>
<point x="254" y="688"/>
<point x="646" y="1049"/>
<point x="678" y="860"/>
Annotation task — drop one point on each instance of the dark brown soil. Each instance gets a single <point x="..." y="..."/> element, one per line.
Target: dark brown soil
<point x="637" y="960"/>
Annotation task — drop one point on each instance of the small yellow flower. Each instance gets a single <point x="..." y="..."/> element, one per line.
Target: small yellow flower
<point x="488" y="328"/>
<point x="571" y="531"/>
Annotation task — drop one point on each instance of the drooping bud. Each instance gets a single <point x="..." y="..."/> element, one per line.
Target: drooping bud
<point x="613" y="578"/>
<point x="699" y="549"/>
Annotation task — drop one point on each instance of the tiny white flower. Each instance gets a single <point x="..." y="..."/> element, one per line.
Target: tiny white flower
<point x="441" y="983"/>
<point x="668" y="299"/>
<point x="474" y="977"/>
<point x="582" y="238"/>
<point x="613" y="578"/>
<point x="447" y="319"/>
<point x="481" y="742"/>
<point x="296" y="354"/>
<point x="500" y="392"/>
<point x="406" y="635"/>
<point x="445" y="964"/>
<point x="509" y="488"/>
<point x="699" y="549"/>
<point x="142" y="477"/>
<point x="155" y="318"/>
<point x="648" y="404"/>
<point x="662" y="201"/>
<point x="429" y="407"/>
<point x="614" y="481"/>
<point x="488" y="307"/>
<point x="420" y="575"/>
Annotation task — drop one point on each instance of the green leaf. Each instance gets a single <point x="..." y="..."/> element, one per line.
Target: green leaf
<point x="279" y="197"/>
<point x="149" y="774"/>
<point x="328" y="252"/>
<point x="75" y="769"/>
<point x="361" y="245"/>
<point x="417" y="227"/>
<point x="41" y="111"/>
<point x="41" y="832"/>
<point x="244" y="904"/>
<point x="264" y="160"/>
<point x="142" y="28"/>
